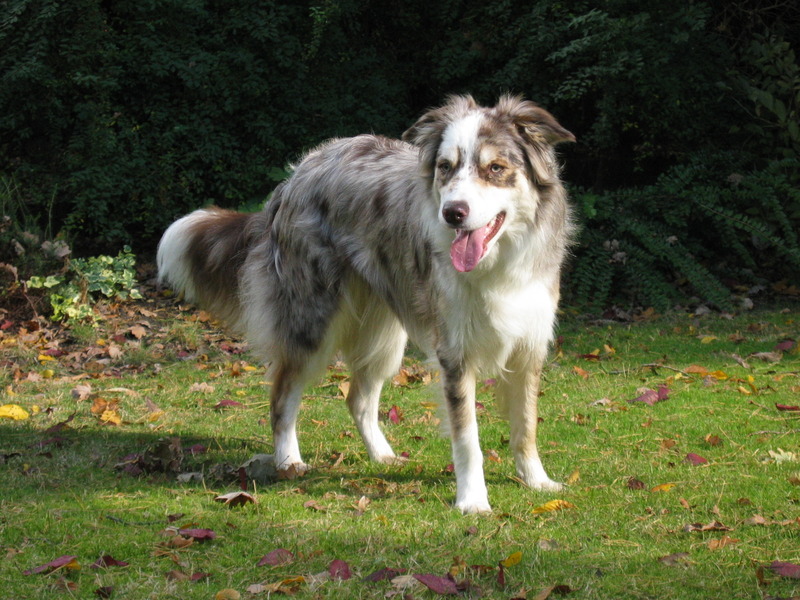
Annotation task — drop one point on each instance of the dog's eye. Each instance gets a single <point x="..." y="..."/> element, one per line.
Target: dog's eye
<point x="445" y="166"/>
<point x="496" y="168"/>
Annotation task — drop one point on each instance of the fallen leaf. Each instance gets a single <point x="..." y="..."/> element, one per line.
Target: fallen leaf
<point x="650" y="397"/>
<point x="108" y="561"/>
<point x="781" y="456"/>
<point x="636" y="484"/>
<point x="13" y="411"/>
<point x="339" y="569"/>
<point x="202" y="388"/>
<point x="573" y="477"/>
<point x="81" y="391"/>
<point x="756" y="520"/>
<point x="227" y="594"/>
<point x="772" y="357"/>
<point x="717" y="544"/>
<point x="276" y="558"/>
<point x="62" y="562"/>
<point x="786" y="407"/>
<point x="314" y="505"/>
<point x="712" y="440"/>
<point x="227" y="404"/>
<point x="201" y="535"/>
<point x="695" y="459"/>
<point x="785" y="569"/>
<point x="441" y="585"/>
<point x="395" y="415"/>
<point x="235" y="498"/>
<point x="551" y="506"/>
<point x="664" y="487"/>
<point x="712" y="526"/>
<point x="512" y="559"/>
<point x="581" y="372"/>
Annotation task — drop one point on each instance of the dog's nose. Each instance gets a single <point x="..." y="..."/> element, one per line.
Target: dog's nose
<point x="455" y="212"/>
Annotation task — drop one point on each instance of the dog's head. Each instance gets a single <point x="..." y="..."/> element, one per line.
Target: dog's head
<point x="486" y="166"/>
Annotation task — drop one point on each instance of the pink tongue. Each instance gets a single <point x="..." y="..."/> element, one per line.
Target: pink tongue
<point x="467" y="249"/>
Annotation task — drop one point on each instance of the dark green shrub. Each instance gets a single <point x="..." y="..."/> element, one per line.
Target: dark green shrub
<point x="701" y="230"/>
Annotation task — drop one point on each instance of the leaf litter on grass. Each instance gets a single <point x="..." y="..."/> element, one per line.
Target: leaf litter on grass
<point x="101" y="362"/>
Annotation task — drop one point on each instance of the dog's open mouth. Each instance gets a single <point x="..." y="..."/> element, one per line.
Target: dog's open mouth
<point x="470" y="247"/>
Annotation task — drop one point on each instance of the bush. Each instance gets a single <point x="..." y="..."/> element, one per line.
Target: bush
<point x="704" y="229"/>
<point x="73" y="291"/>
<point x="117" y="117"/>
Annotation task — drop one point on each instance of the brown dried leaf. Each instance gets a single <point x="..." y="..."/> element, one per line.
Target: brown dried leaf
<point x="235" y="498"/>
<point x="717" y="544"/>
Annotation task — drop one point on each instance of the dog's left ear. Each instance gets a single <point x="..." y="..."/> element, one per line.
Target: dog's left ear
<point x="535" y="123"/>
<point x="539" y="132"/>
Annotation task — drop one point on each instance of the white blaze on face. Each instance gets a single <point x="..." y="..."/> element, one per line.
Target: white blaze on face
<point x="462" y="148"/>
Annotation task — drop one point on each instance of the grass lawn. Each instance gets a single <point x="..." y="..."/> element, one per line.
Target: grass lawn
<point x="688" y="490"/>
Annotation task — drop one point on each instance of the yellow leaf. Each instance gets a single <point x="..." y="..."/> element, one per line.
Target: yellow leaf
<point x="707" y="339"/>
<point x="47" y="373"/>
<point x="551" y="506"/>
<point x="10" y="391"/>
<point x="664" y="487"/>
<point x="110" y="416"/>
<point x="250" y="368"/>
<point x="227" y="594"/>
<point x="344" y="388"/>
<point x="574" y="477"/>
<point x="13" y="411"/>
<point x="43" y="358"/>
<point x="511" y="560"/>
<point x="719" y="375"/>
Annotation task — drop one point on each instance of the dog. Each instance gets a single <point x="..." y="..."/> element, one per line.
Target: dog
<point x="453" y="237"/>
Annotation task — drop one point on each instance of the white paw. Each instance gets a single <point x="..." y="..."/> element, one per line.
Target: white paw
<point x="545" y="485"/>
<point x="476" y="502"/>
<point x="391" y="459"/>
<point x="292" y="471"/>
<point x="474" y="508"/>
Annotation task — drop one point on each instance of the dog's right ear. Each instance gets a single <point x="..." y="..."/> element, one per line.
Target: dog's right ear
<point x="427" y="132"/>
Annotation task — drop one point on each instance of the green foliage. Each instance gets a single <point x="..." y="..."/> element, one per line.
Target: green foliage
<point x="115" y="118"/>
<point x="73" y="292"/>
<point x="700" y="230"/>
<point x="771" y="82"/>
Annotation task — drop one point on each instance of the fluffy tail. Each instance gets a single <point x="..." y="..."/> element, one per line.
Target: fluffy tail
<point x="201" y="254"/>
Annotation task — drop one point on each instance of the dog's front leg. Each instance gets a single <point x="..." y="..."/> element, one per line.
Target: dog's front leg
<point x="459" y="391"/>
<point x="519" y="391"/>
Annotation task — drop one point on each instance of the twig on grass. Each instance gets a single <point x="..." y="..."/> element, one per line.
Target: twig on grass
<point x="658" y="366"/>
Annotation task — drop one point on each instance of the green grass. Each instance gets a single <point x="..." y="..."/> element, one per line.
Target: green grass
<point x="68" y="498"/>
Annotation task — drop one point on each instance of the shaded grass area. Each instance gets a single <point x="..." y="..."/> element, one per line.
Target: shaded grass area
<point x="62" y="491"/>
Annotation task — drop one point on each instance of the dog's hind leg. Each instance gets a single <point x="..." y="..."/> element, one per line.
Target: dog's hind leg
<point x="374" y="349"/>
<point x="518" y="392"/>
<point x="287" y="391"/>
